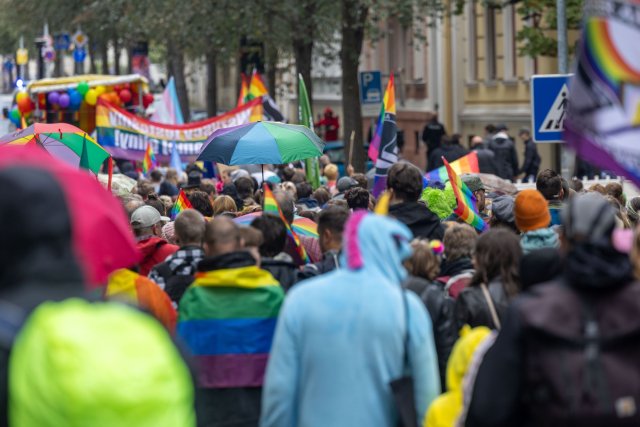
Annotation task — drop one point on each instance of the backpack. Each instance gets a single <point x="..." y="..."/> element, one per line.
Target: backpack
<point x="581" y="356"/>
<point x="175" y="285"/>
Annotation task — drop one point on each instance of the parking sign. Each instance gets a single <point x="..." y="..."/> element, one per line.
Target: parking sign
<point x="370" y="92"/>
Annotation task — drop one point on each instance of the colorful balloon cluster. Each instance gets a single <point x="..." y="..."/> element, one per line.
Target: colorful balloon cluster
<point x="119" y="95"/>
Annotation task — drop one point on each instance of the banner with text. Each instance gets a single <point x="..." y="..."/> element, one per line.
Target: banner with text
<point x="126" y="136"/>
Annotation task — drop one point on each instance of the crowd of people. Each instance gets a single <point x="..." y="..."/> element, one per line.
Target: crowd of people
<point x="402" y="312"/>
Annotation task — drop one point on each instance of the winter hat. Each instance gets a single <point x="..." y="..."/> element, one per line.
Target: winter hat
<point x="589" y="218"/>
<point x="502" y="209"/>
<point x="473" y="182"/>
<point x="531" y="210"/>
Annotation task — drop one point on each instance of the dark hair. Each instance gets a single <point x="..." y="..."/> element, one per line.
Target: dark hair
<point x="333" y="218"/>
<point x="287" y="173"/>
<point x="251" y="236"/>
<point x="144" y="188"/>
<point x="274" y="234"/>
<point x="549" y="183"/>
<point x="154" y="201"/>
<point x="490" y="128"/>
<point x="361" y="179"/>
<point x="406" y="181"/>
<point x="155" y="175"/>
<point x="208" y="187"/>
<point x="244" y="187"/>
<point x="189" y="227"/>
<point x="321" y="195"/>
<point x="200" y="202"/>
<point x="498" y="255"/>
<point x="459" y="241"/>
<point x="576" y="185"/>
<point x="298" y="177"/>
<point x="303" y="190"/>
<point x="357" y="198"/>
<point x="614" y="189"/>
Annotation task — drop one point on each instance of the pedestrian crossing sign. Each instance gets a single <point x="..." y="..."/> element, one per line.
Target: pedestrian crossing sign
<point x="549" y="101"/>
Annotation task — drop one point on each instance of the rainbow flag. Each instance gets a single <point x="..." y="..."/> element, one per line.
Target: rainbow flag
<point x="384" y="147"/>
<point x="603" y="110"/>
<point x="149" y="161"/>
<point x="466" y="164"/>
<point x="466" y="208"/>
<point x="270" y="205"/>
<point x="128" y="286"/>
<point x="244" y="90"/>
<point x="388" y="106"/>
<point x="182" y="203"/>
<point x="227" y="319"/>
<point x="256" y="87"/>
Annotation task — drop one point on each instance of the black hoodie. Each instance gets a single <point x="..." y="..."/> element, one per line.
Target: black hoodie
<point x="36" y="256"/>
<point x="420" y="220"/>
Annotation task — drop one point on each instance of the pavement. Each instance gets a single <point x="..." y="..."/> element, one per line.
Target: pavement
<point x="5" y="125"/>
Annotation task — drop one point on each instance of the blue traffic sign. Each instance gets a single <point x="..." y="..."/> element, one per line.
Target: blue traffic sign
<point x="79" y="54"/>
<point x="62" y="41"/>
<point x="370" y="87"/>
<point x="549" y="101"/>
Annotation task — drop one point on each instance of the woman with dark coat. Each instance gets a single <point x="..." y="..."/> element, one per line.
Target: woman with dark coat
<point x="496" y="281"/>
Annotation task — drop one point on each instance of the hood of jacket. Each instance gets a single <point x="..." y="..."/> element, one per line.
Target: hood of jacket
<point x="36" y="233"/>
<point x="414" y="214"/>
<point x="462" y="355"/>
<point x="539" y="239"/>
<point x="455" y="267"/>
<point x="149" y="245"/>
<point x="377" y="245"/>
<point x="501" y="138"/>
<point x="597" y="267"/>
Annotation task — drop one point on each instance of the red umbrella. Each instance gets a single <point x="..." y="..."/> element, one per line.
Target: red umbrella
<point x="102" y="238"/>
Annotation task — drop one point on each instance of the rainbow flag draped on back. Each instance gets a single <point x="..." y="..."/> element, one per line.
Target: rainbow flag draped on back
<point x="603" y="110"/>
<point x="271" y="206"/>
<point x="227" y="318"/>
<point x="149" y="161"/>
<point x="384" y="148"/>
<point x="466" y="207"/>
<point x="466" y="164"/>
<point x="182" y="203"/>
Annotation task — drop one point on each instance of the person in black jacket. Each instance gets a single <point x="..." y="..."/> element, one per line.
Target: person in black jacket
<point x="404" y="182"/>
<point x="497" y="261"/>
<point x="505" y="153"/>
<point x="274" y="260"/>
<point x="432" y="136"/>
<point x="423" y="268"/>
<point x="330" y="229"/>
<point x="486" y="158"/>
<point x="450" y="150"/>
<point x="531" y="163"/>
<point x="542" y="376"/>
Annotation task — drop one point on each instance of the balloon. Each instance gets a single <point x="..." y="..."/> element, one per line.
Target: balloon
<point x="125" y="95"/>
<point x="91" y="97"/>
<point x="147" y="99"/>
<point x="25" y="105"/>
<point x="83" y="88"/>
<point x="64" y="100"/>
<point x="53" y="98"/>
<point x="100" y="90"/>
<point x="14" y="116"/>
<point x="115" y="99"/>
<point x="75" y="99"/>
<point x="20" y="96"/>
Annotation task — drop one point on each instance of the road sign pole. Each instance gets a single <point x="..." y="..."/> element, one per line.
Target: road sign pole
<point x="564" y="160"/>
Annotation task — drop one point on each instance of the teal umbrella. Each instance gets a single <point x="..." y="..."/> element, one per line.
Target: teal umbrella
<point x="261" y="143"/>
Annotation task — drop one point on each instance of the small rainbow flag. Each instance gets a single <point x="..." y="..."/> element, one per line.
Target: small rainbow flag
<point x="244" y="90"/>
<point x="466" y="208"/>
<point x="182" y="203"/>
<point x="271" y="206"/>
<point x="388" y="106"/>
<point x="256" y="87"/>
<point x="149" y="161"/>
<point x="466" y="164"/>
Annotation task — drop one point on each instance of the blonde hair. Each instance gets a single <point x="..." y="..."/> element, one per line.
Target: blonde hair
<point x="224" y="204"/>
<point x="331" y="172"/>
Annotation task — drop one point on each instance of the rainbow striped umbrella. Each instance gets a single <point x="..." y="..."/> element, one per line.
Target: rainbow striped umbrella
<point x="61" y="140"/>
<point x="261" y="143"/>
<point x="301" y="225"/>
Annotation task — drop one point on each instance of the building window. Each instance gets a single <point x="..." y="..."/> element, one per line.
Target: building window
<point x="472" y="42"/>
<point x="509" y="37"/>
<point x="490" y="42"/>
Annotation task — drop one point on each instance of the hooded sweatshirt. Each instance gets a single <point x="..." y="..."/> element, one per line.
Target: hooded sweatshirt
<point x="154" y="250"/>
<point x="340" y="337"/>
<point x="539" y="239"/>
<point x="444" y="411"/>
<point x="420" y="220"/>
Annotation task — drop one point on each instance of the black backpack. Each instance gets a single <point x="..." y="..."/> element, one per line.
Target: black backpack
<point x="175" y="285"/>
<point x="582" y="356"/>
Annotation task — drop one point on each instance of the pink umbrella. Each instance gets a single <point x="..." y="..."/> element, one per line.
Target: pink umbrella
<point x="101" y="235"/>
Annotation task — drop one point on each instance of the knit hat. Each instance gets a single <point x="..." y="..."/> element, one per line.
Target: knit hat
<point x="531" y="210"/>
<point x="473" y="182"/>
<point x="502" y="208"/>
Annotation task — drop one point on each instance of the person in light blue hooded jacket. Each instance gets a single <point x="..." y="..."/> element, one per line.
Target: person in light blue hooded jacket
<point x="339" y="340"/>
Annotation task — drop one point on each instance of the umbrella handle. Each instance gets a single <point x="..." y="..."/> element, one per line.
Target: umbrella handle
<point x="110" y="173"/>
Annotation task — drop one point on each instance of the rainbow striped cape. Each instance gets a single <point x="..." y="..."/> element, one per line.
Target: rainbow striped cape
<point x="227" y="319"/>
<point x="149" y="161"/>
<point x="466" y="201"/>
<point x="466" y="164"/>
<point x="182" y="203"/>
<point x="271" y="206"/>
